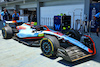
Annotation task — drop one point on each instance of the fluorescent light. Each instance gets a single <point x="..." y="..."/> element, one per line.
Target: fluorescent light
<point x="98" y="1"/>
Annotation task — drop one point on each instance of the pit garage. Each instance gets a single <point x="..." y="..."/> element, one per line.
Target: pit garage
<point x="15" y="54"/>
<point x="55" y="7"/>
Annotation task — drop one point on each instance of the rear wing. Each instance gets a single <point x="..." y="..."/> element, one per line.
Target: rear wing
<point x="12" y="23"/>
<point x="17" y="21"/>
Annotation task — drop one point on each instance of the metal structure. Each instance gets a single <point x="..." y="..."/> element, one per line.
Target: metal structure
<point x="77" y="15"/>
<point x="47" y="21"/>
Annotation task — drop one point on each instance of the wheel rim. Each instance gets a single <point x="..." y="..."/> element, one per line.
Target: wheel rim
<point x="46" y="48"/>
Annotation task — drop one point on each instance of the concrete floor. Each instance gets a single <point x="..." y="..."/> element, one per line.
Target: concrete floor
<point x="15" y="54"/>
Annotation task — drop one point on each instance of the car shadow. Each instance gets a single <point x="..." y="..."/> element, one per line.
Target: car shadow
<point x="29" y="43"/>
<point x="70" y="64"/>
<point x="52" y="58"/>
<point x="32" y="45"/>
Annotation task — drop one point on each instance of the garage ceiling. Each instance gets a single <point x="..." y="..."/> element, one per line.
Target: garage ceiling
<point x="96" y="0"/>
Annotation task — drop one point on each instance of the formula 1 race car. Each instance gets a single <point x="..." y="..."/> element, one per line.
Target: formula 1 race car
<point x="21" y="32"/>
<point x="70" y="46"/>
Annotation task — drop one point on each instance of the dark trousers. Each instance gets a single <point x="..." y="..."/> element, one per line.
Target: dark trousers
<point x="1" y="25"/>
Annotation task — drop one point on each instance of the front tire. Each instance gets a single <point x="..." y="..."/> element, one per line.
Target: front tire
<point x="49" y="46"/>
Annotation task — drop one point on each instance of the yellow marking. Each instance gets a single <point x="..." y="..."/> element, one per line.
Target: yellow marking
<point x="51" y="45"/>
<point x="45" y="39"/>
<point x="5" y="33"/>
<point x="47" y="55"/>
<point x="42" y="40"/>
<point x="3" y="28"/>
<point x="67" y="32"/>
<point x="68" y="26"/>
<point x="82" y="57"/>
<point x="41" y="35"/>
<point x="64" y="28"/>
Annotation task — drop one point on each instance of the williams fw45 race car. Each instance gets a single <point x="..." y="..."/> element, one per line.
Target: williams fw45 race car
<point x="70" y="46"/>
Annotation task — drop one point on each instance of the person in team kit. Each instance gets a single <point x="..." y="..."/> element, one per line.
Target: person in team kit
<point x="97" y="18"/>
<point x="15" y="16"/>
<point x="4" y="14"/>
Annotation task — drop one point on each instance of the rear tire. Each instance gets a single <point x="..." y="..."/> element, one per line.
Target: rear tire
<point x="7" y="32"/>
<point x="49" y="46"/>
<point x="74" y="34"/>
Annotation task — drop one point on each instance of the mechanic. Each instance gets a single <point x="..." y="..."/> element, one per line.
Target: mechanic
<point x="15" y="16"/>
<point x="97" y="18"/>
<point x="34" y="19"/>
<point x="4" y="14"/>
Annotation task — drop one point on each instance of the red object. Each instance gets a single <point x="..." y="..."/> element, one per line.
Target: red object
<point x="33" y="37"/>
<point x="59" y="33"/>
<point x="47" y="28"/>
<point x="69" y="42"/>
<point x="14" y="21"/>
<point x="56" y="17"/>
<point x="20" y="27"/>
<point x="94" y="51"/>
<point x="90" y="51"/>
<point x="27" y="24"/>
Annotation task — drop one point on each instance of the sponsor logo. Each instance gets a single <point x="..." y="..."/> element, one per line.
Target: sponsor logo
<point x="57" y="27"/>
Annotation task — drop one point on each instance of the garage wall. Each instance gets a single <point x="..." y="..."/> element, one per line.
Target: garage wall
<point x="0" y="12"/>
<point x="29" y="5"/>
<point x="10" y="7"/>
<point x="48" y="12"/>
<point x="0" y="9"/>
<point x="63" y="2"/>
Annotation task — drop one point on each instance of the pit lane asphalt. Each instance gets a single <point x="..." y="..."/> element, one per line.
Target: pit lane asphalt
<point x="15" y="54"/>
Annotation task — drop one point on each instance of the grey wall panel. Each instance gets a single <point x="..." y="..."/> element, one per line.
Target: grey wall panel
<point x="62" y="2"/>
<point x="29" y="5"/>
<point x="87" y="8"/>
<point x="10" y="7"/>
<point x="0" y="9"/>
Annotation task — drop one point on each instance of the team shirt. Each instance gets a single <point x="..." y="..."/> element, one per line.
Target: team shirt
<point x="98" y="18"/>
<point x="16" y="17"/>
<point x="97" y="15"/>
<point x="4" y="15"/>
